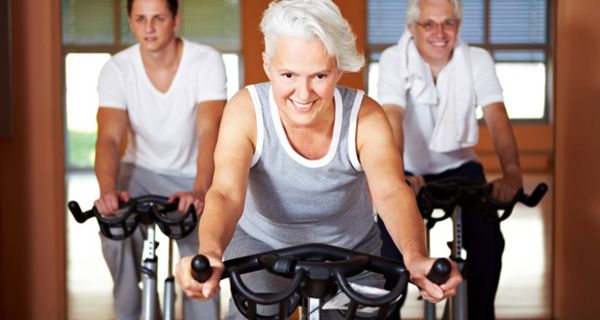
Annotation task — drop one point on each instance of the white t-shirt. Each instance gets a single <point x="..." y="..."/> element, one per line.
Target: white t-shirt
<point x="419" y="119"/>
<point x="163" y="125"/>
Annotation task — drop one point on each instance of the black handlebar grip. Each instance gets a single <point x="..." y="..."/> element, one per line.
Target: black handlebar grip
<point x="79" y="215"/>
<point x="536" y="195"/>
<point x="201" y="270"/>
<point x="440" y="271"/>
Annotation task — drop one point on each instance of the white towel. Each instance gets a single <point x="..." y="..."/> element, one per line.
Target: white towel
<point x="456" y="123"/>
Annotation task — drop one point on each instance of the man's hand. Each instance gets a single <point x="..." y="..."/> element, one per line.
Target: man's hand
<point x="416" y="183"/>
<point x="187" y="198"/>
<point x="108" y="203"/>
<point x="505" y="188"/>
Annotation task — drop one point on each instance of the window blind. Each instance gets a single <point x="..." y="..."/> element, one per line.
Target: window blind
<point x="511" y="21"/>
<point x="472" y="29"/>
<point x="212" y="22"/>
<point x="518" y="21"/>
<point x="386" y="21"/>
<point x="87" y="22"/>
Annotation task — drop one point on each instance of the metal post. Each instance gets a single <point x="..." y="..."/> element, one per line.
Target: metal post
<point x="148" y="270"/>
<point x="169" y="298"/>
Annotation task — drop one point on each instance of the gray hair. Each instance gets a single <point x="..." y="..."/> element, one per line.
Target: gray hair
<point x="413" y="11"/>
<point x="312" y="18"/>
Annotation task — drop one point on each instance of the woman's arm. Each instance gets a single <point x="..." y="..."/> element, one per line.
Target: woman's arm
<point x="394" y="200"/>
<point x="224" y="200"/>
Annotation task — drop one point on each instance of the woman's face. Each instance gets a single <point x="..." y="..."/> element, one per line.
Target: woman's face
<point x="303" y="77"/>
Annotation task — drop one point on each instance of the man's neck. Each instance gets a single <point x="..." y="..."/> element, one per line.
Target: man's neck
<point x="168" y="57"/>
<point x="437" y="66"/>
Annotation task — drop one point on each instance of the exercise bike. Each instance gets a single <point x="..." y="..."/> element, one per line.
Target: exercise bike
<point x="319" y="277"/>
<point x="149" y="211"/>
<point x="451" y="195"/>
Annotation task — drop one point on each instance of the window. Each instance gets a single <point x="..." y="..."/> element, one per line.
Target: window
<point x="93" y="30"/>
<point x="515" y="32"/>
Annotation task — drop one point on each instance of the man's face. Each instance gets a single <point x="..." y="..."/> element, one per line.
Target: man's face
<point x="435" y="31"/>
<point x="153" y="25"/>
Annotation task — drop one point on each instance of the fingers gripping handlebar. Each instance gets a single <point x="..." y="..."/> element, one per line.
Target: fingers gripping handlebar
<point x="145" y="209"/>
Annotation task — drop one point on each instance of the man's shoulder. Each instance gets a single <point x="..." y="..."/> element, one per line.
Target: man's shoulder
<point x="197" y="49"/>
<point x="479" y="55"/>
<point x="391" y="51"/>
<point x="124" y="58"/>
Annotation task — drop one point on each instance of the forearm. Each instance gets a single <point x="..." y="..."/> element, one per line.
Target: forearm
<point x="509" y="156"/>
<point x="107" y="165"/>
<point x="503" y="140"/>
<point x="205" y="165"/>
<point x="218" y="223"/>
<point x="208" y="120"/>
<point x="403" y="221"/>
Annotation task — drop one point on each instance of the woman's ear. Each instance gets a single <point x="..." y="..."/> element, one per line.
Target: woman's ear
<point x="265" y="59"/>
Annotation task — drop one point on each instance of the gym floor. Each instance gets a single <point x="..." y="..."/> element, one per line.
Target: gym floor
<point x="524" y="292"/>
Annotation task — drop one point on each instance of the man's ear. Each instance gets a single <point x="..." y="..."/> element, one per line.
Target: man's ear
<point x="411" y="28"/>
<point x="177" y="22"/>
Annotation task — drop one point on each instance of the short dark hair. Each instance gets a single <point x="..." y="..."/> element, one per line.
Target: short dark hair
<point x="173" y="6"/>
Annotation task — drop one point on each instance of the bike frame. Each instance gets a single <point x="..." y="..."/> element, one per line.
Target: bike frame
<point x="449" y="195"/>
<point x="148" y="216"/>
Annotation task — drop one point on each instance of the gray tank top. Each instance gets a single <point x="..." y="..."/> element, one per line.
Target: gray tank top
<point x="292" y="200"/>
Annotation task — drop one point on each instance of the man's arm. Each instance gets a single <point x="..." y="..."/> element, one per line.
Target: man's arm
<point x="505" y="145"/>
<point x="208" y="119"/>
<point x="112" y="125"/>
<point x="393" y="198"/>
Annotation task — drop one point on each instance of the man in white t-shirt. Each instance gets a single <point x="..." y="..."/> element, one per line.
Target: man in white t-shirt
<point x="430" y="85"/>
<point x="168" y="94"/>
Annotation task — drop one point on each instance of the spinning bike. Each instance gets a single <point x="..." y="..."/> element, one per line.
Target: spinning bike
<point x="317" y="272"/>
<point x="451" y="195"/>
<point x="150" y="210"/>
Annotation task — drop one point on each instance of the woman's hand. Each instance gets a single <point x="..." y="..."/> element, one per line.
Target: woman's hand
<point x="430" y="291"/>
<point x="193" y="288"/>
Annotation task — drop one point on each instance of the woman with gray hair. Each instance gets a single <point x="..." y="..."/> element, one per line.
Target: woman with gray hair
<point x="294" y="156"/>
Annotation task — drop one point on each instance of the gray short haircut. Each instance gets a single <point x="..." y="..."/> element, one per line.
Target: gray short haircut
<point x="312" y="18"/>
<point x="413" y="11"/>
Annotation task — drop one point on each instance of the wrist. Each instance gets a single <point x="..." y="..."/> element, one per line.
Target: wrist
<point x="413" y="259"/>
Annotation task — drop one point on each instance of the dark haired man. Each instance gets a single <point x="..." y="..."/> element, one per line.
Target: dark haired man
<point x="168" y="94"/>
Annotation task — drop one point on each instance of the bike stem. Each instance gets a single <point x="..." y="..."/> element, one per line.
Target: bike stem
<point x="148" y="270"/>
<point x="169" y="295"/>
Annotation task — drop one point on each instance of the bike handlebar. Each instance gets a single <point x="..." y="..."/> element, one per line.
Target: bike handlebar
<point x="316" y="270"/>
<point x="448" y="193"/>
<point x="145" y="209"/>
